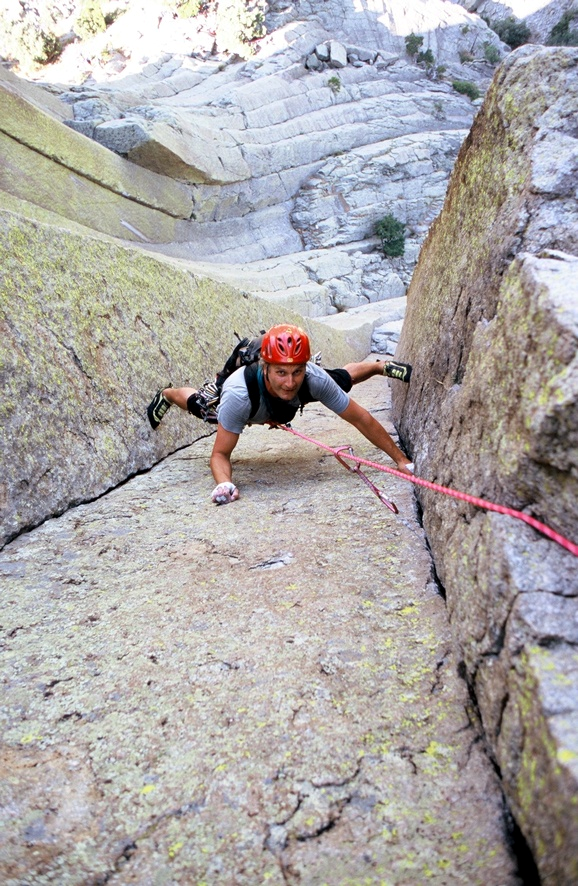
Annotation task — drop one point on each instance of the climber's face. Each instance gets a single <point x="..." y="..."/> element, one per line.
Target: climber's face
<point x="284" y="380"/>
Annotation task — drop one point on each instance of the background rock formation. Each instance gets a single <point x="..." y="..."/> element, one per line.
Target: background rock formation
<point x="272" y="157"/>
<point x="492" y="331"/>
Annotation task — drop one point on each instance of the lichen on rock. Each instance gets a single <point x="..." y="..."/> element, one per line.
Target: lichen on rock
<point x="492" y="330"/>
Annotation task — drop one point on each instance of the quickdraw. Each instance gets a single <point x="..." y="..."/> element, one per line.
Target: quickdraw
<point x="357" y="470"/>
<point x="340" y="454"/>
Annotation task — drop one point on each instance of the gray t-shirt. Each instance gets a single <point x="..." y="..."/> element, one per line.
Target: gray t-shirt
<point x="235" y="405"/>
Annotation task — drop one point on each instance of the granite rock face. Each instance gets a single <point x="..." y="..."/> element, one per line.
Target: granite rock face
<point x="274" y="190"/>
<point x="492" y="332"/>
<point x="90" y="331"/>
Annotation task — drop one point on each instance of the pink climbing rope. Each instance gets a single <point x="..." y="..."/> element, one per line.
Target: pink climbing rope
<point x="340" y="454"/>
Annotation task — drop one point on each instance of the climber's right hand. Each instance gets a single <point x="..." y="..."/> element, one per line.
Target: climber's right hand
<point x="225" y="493"/>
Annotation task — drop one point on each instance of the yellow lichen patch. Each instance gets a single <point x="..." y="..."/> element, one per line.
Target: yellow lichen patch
<point x="564" y="755"/>
<point x="175" y="848"/>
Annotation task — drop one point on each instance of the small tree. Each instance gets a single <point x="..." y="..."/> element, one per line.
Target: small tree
<point x="426" y="58"/>
<point x="491" y="53"/>
<point x="27" y="39"/>
<point x="413" y="44"/>
<point x="90" y="20"/>
<point x="391" y="232"/>
<point x="239" y="24"/>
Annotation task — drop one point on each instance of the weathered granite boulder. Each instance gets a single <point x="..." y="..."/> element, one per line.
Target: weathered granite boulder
<point x="189" y="151"/>
<point x="90" y="331"/>
<point x="492" y="332"/>
<point x="337" y="55"/>
<point x="334" y="54"/>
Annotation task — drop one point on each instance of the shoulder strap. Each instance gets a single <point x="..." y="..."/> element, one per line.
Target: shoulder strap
<point x="252" y="383"/>
<point x="305" y="395"/>
<point x="245" y="352"/>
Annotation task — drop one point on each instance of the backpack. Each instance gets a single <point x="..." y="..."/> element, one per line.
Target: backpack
<point x="246" y="353"/>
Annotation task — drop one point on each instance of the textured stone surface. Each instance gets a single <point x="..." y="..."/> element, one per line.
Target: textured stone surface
<point x="37" y="96"/>
<point x="493" y="410"/>
<point x="289" y="132"/>
<point x="320" y="282"/>
<point x="31" y="176"/>
<point x="83" y="311"/>
<point x="90" y="331"/>
<point x="405" y="176"/>
<point x="201" y="695"/>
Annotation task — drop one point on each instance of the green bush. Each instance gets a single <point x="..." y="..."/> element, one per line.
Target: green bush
<point x="465" y="87"/>
<point x="90" y="20"/>
<point x="239" y="24"/>
<point x="562" y="34"/>
<point x="391" y="232"/>
<point x="50" y="48"/>
<point x="425" y="58"/>
<point x="511" y="31"/>
<point x="491" y="53"/>
<point x="413" y="44"/>
<point x="334" y="84"/>
<point x="466" y="56"/>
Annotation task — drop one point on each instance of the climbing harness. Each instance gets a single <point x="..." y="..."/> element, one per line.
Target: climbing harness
<point x="340" y="454"/>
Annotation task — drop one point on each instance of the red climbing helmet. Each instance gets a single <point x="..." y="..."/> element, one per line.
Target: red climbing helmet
<point x="285" y="344"/>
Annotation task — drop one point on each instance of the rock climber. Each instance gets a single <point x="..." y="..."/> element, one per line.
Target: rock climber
<point x="286" y="379"/>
